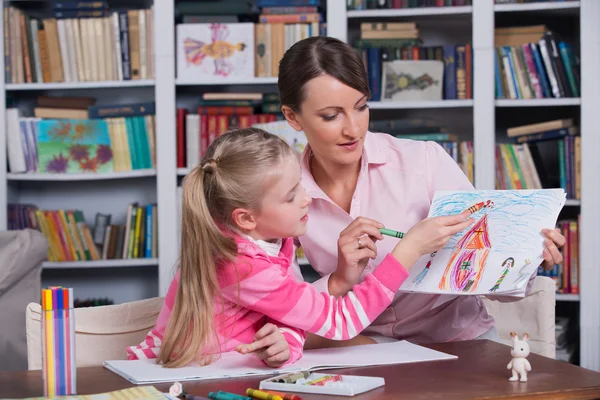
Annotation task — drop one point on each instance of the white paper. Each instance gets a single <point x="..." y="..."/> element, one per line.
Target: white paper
<point x="498" y="253"/>
<point x="233" y="364"/>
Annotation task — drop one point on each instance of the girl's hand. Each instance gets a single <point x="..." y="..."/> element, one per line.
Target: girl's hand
<point x="429" y="236"/>
<point x="269" y="345"/>
<point x="554" y="241"/>
<point x="356" y="246"/>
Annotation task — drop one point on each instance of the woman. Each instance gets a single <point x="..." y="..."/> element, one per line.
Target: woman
<point x="360" y="179"/>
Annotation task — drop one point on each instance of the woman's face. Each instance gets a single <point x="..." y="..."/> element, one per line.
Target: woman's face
<point x="335" y="119"/>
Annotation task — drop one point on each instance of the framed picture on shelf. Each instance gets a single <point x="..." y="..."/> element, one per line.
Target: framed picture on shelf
<point x="215" y="51"/>
<point x="412" y="80"/>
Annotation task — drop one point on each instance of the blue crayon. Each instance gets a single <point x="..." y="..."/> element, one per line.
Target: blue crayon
<point x="220" y="395"/>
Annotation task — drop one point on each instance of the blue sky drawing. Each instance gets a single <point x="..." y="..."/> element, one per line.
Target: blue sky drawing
<point x="515" y="221"/>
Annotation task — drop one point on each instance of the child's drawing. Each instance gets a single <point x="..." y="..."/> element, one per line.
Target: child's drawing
<point x="215" y="50"/>
<point x="523" y="275"/>
<point x="482" y="258"/>
<point x="419" y="278"/>
<point x="468" y="259"/>
<point x="508" y="264"/>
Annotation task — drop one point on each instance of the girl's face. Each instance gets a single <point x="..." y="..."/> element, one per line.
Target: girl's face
<point x="335" y="119"/>
<point x="284" y="208"/>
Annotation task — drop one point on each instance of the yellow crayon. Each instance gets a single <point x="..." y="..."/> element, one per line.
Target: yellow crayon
<point x="259" y="394"/>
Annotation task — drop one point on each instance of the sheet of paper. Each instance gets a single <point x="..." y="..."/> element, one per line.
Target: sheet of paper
<point x="233" y="364"/>
<point x="498" y="253"/>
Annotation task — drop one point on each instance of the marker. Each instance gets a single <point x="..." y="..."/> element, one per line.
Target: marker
<point x="259" y="394"/>
<point x="292" y="378"/>
<point x="323" y="380"/>
<point x="392" y="233"/>
<point x="220" y="395"/>
<point x="285" y="396"/>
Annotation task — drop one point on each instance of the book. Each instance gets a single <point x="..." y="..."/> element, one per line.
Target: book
<point x="233" y="364"/>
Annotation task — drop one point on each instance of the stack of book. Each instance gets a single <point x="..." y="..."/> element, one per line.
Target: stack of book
<point x="381" y="42"/>
<point x="70" y="238"/>
<point x="532" y="62"/>
<point x="79" y="44"/>
<point x="216" y="114"/>
<point x="374" y="4"/>
<point x="73" y="135"/>
<point x="545" y="155"/>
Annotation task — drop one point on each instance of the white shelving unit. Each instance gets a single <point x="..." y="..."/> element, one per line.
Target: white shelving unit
<point x="484" y="108"/>
<point x="107" y="193"/>
<point x="112" y="193"/>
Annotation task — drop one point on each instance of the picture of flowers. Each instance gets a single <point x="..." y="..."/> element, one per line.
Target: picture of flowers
<point x="74" y="146"/>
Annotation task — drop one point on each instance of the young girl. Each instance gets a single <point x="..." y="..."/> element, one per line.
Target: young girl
<point x="235" y="289"/>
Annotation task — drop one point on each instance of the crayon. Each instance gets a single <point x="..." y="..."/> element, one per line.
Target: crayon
<point x="323" y="380"/>
<point x="292" y="378"/>
<point x="221" y="395"/>
<point x="474" y="208"/>
<point x="259" y="394"/>
<point x="392" y="233"/>
<point x="285" y="396"/>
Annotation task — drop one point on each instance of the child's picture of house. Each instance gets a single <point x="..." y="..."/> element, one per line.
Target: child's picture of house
<point x="498" y="252"/>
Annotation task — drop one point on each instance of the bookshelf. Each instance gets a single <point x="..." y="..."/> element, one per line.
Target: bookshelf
<point x="485" y="113"/>
<point x="92" y="192"/>
<point x="135" y="279"/>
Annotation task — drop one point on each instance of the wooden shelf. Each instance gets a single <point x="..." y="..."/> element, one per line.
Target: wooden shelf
<point x="78" y="85"/>
<point x="542" y="6"/>
<point x="573" y="101"/>
<point x="272" y="80"/>
<point x="567" y="297"/>
<point x="410" y="12"/>
<point x="142" y="173"/>
<point x="183" y="171"/>
<point x="135" y="262"/>
<point x="399" y="105"/>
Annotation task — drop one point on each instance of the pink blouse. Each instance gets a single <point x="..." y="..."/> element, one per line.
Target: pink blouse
<point x="395" y="186"/>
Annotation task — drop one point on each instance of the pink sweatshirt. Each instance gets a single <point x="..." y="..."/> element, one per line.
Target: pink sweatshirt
<point x="261" y="288"/>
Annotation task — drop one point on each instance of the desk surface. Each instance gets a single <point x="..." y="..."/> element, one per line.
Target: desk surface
<point x="479" y="372"/>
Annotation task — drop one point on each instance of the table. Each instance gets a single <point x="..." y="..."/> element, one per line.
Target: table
<point x="479" y="372"/>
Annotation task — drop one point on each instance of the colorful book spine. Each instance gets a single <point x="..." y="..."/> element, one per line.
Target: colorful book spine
<point x="58" y="342"/>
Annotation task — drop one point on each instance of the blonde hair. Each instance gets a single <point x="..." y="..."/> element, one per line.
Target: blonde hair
<point x="234" y="173"/>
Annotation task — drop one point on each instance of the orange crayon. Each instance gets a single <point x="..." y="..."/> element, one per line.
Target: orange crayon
<point x="483" y="204"/>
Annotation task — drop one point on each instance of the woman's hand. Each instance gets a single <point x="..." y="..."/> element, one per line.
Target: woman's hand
<point x="356" y="246"/>
<point x="429" y="236"/>
<point x="269" y="345"/>
<point x="553" y="242"/>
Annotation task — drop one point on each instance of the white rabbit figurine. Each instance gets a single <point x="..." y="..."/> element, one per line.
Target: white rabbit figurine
<point x="519" y="353"/>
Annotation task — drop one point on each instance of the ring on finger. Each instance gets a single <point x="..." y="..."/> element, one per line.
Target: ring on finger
<point x="359" y="243"/>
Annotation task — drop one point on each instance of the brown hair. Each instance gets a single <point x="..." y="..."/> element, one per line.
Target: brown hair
<point x="315" y="56"/>
<point x="234" y="173"/>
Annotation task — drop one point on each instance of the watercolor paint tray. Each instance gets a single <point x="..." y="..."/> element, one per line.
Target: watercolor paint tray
<point x="349" y="385"/>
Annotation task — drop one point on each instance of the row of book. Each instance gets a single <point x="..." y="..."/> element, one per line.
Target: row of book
<point x="529" y="1"/>
<point x="71" y="239"/>
<point x="214" y="116"/>
<point x="79" y="45"/>
<point x="375" y="4"/>
<point x="63" y="144"/>
<point x="533" y="63"/>
<point x="546" y="155"/>
<point x="455" y="76"/>
<point x="566" y="274"/>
